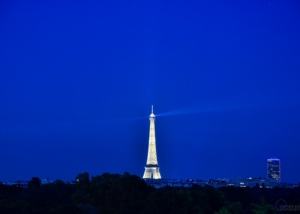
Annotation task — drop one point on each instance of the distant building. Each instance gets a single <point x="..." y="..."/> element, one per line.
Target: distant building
<point x="273" y="165"/>
<point x="253" y="182"/>
<point x="17" y="183"/>
<point x="46" y="181"/>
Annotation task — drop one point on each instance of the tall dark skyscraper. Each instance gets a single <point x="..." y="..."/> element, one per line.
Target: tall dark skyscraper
<point x="274" y="168"/>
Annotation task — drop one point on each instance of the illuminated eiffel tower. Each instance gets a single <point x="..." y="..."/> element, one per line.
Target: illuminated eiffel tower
<point x="152" y="169"/>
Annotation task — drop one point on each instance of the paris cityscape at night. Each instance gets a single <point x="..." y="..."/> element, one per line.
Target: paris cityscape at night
<point x="149" y="107"/>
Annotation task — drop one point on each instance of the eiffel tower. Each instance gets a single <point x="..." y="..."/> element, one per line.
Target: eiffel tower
<point x="152" y="169"/>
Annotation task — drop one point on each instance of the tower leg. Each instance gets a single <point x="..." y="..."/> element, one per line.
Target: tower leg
<point x="152" y="173"/>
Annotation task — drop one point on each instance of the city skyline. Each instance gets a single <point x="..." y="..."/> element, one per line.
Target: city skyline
<point x="152" y="169"/>
<point x="77" y="80"/>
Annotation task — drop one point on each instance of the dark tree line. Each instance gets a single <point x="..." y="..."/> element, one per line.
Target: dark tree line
<point x="115" y="193"/>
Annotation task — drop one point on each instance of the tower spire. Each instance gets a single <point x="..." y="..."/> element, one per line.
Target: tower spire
<point x="152" y="169"/>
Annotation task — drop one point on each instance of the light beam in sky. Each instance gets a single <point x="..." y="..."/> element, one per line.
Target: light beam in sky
<point x="222" y="105"/>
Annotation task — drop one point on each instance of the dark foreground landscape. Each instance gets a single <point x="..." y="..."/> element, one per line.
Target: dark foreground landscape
<point x="115" y="193"/>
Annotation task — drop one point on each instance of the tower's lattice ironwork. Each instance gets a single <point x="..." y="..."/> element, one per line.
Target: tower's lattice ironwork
<point x="152" y="169"/>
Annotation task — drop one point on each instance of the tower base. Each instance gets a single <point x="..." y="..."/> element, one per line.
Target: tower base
<point x="152" y="172"/>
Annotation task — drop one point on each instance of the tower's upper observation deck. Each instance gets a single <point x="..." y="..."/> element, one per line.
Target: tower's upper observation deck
<point x="152" y="115"/>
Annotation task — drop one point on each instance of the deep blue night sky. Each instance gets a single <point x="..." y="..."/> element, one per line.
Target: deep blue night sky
<point x="77" y="81"/>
